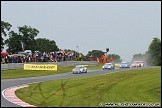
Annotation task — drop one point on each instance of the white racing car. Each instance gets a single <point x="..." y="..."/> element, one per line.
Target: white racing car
<point x="79" y="69"/>
<point x="138" y="64"/>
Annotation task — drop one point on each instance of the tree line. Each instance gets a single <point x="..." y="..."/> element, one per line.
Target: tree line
<point x="27" y="36"/>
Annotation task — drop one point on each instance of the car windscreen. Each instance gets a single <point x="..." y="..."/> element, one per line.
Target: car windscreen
<point x="77" y="67"/>
<point x="107" y="65"/>
<point x="124" y="63"/>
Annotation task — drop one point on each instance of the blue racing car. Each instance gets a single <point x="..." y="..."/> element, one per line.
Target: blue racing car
<point x="108" y="66"/>
<point x="124" y="65"/>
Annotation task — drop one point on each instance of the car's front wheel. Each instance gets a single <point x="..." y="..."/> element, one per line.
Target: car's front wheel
<point x="86" y="71"/>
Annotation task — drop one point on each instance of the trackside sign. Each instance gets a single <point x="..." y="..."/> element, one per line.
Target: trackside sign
<point x="40" y="67"/>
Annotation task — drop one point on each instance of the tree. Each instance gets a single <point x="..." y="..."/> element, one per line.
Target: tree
<point x="116" y="58"/>
<point x="14" y="42"/>
<point x="4" y="26"/>
<point x="154" y="52"/>
<point x="95" y="53"/>
<point x="26" y="35"/>
<point x="43" y="44"/>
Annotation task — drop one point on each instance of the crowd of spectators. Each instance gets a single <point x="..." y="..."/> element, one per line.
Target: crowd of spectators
<point x="37" y="56"/>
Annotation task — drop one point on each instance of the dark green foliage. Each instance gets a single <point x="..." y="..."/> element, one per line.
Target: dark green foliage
<point x="95" y="54"/>
<point x="26" y="35"/>
<point x="154" y="51"/>
<point x="116" y="58"/>
<point x="46" y="45"/>
<point x="13" y="42"/>
<point x="4" y="26"/>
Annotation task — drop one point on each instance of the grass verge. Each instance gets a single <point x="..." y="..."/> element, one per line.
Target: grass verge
<point x="126" y="86"/>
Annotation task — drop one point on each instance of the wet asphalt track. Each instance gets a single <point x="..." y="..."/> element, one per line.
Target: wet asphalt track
<point x="14" y="82"/>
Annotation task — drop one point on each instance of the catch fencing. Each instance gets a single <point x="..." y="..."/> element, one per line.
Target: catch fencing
<point x="66" y="63"/>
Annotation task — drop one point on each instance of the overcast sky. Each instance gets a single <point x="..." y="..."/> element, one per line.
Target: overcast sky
<point x="126" y="28"/>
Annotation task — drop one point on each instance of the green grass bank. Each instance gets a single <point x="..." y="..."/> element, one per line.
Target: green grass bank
<point x="127" y="86"/>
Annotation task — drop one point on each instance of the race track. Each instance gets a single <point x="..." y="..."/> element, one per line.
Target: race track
<point x="15" y="82"/>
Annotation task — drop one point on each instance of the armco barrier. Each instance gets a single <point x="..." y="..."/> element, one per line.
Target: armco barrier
<point x="66" y="63"/>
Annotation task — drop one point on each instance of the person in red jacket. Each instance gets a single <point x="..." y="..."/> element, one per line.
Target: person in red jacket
<point x="111" y="59"/>
<point x="104" y="61"/>
<point x="90" y="57"/>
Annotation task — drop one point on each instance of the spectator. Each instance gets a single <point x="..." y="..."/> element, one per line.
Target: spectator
<point x="90" y="57"/>
<point x="80" y="57"/>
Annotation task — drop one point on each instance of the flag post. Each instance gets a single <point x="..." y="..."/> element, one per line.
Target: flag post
<point x="22" y="45"/>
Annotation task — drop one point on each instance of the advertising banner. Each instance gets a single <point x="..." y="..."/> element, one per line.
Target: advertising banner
<point x="40" y="66"/>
